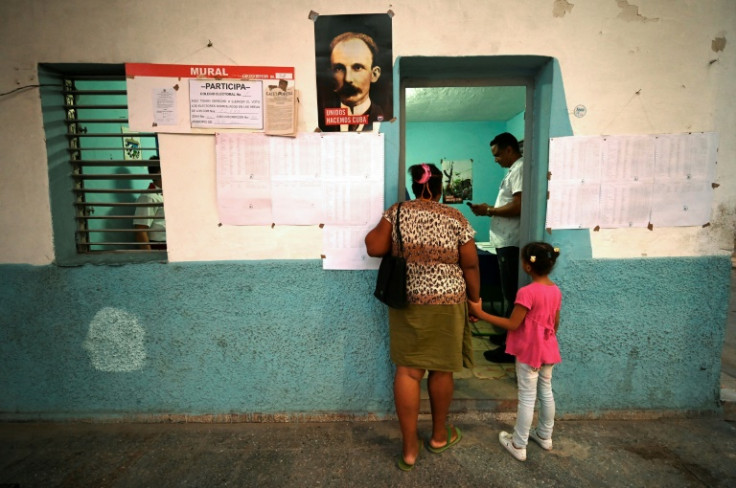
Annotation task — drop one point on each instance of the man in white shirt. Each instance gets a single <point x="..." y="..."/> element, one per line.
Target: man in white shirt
<point x="505" y="229"/>
<point x="150" y="221"/>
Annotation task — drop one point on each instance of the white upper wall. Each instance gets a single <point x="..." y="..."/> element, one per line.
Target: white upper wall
<point x="640" y="67"/>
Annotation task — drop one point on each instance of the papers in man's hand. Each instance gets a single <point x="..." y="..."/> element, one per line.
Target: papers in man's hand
<point x="485" y="246"/>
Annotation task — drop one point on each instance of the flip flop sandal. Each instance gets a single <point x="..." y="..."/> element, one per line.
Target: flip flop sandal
<point x="449" y="443"/>
<point x="403" y="465"/>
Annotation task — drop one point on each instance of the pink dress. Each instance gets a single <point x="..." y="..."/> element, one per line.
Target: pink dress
<point x="535" y="342"/>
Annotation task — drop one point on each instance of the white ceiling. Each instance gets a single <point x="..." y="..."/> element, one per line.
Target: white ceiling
<point x="468" y="103"/>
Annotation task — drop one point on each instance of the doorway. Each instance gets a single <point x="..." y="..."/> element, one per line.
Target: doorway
<point x="443" y="100"/>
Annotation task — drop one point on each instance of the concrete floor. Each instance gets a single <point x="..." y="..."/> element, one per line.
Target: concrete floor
<point x="642" y="453"/>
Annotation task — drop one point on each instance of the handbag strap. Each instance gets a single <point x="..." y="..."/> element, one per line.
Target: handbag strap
<point x="398" y="229"/>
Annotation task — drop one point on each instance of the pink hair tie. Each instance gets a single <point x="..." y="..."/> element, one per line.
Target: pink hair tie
<point x="426" y="176"/>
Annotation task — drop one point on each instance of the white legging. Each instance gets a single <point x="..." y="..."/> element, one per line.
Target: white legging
<point x="533" y="383"/>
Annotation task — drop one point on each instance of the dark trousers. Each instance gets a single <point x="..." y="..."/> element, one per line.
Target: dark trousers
<point x="508" y="268"/>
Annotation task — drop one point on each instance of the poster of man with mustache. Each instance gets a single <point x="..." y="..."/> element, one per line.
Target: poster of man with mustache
<point x="354" y="71"/>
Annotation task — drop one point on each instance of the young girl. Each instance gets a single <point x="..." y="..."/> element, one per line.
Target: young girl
<point x="532" y="338"/>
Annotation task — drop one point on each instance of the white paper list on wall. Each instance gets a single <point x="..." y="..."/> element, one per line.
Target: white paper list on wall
<point x="332" y="180"/>
<point x="631" y="181"/>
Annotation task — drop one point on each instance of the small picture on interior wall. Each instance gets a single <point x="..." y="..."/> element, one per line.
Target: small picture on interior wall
<point x="457" y="180"/>
<point x="131" y="145"/>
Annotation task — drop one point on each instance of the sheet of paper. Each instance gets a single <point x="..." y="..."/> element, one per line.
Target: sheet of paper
<point x="297" y="202"/>
<point x="576" y="158"/>
<point x="344" y="248"/>
<point x="573" y="204"/>
<point x="675" y="204"/>
<point x="360" y="160"/>
<point x="627" y="177"/>
<point x="688" y="156"/>
<point x="628" y="159"/>
<point x="243" y="182"/>
<point x="685" y="172"/>
<point x="574" y="184"/>
<point x="280" y="109"/>
<point x="625" y="204"/>
<point x="485" y="246"/>
<point x="164" y="106"/>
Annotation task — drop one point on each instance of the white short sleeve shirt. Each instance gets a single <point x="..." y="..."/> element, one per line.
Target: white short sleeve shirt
<point x="505" y="230"/>
<point x="152" y="217"/>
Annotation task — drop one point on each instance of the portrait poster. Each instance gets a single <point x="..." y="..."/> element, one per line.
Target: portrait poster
<point x="457" y="180"/>
<point x="354" y="71"/>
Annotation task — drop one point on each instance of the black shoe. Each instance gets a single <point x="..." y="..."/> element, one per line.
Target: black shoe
<point x="499" y="356"/>
<point x="497" y="339"/>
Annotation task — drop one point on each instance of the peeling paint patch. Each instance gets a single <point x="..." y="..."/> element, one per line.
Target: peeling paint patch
<point x="114" y="341"/>
<point x="718" y="44"/>
<point x="561" y="8"/>
<point x="630" y="13"/>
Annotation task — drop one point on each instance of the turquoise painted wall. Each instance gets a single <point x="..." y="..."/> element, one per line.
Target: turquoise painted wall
<point x="515" y="125"/>
<point x="257" y="337"/>
<point x="288" y="337"/>
<point x="641" y="334"/>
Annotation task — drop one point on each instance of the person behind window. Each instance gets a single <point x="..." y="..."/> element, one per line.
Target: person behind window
<point x="505" y="229"/>
<point x="433" y="332"/>
<point x="149" y="219"/>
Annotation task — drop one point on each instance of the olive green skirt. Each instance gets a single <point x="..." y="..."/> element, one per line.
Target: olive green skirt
<point x="433" y="337"/>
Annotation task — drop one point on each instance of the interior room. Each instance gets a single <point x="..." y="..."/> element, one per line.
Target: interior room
<point x="446" y="124"/>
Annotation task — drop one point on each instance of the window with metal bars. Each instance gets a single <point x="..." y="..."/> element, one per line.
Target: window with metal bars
<point x="113" y="174"/>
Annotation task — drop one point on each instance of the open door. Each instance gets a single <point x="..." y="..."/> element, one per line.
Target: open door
<point x="434" y="93"/>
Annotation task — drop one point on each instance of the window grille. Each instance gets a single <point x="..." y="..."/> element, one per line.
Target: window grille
<point x="109" y="164"/>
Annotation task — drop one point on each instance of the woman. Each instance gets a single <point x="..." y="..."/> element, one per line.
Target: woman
<point x="442" y="273"/>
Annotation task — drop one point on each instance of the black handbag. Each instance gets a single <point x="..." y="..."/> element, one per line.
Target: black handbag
<point x="391" y="281"/>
